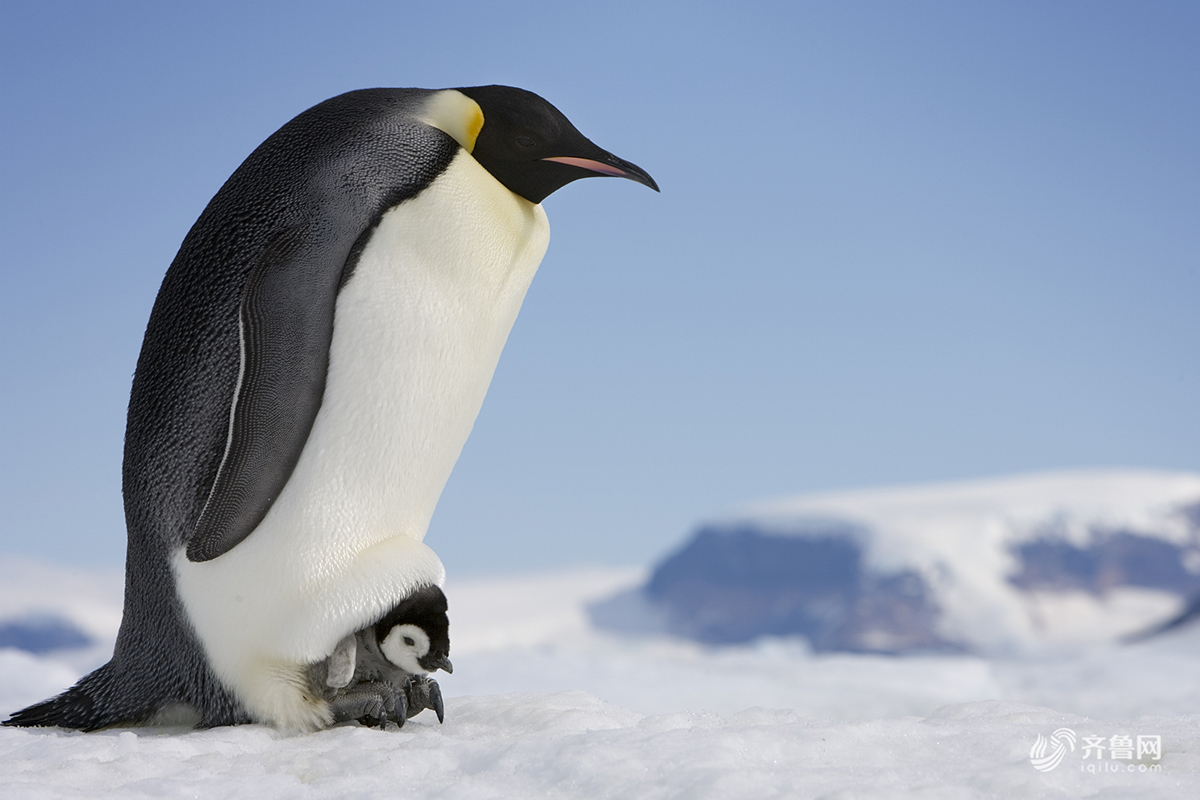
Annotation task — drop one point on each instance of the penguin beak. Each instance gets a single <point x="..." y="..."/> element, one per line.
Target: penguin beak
<point x="435" y="661"/>
<point x="616" y="167"/>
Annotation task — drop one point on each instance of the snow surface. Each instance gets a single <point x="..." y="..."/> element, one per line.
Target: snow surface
<point x="542" y="705"/>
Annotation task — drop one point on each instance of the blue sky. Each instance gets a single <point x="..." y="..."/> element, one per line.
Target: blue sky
<point x="896" y="242"/>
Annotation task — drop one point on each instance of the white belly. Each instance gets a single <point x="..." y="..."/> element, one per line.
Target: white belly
<point x="417" y="334"/>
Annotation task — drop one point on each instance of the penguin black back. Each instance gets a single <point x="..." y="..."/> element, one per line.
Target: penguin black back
<point x="315" y="190"/>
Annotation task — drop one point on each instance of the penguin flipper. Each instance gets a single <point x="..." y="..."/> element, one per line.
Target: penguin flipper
<point x="286" y="326"/>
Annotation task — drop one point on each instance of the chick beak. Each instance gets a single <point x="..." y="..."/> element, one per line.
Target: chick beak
<point x="436" y="661"/>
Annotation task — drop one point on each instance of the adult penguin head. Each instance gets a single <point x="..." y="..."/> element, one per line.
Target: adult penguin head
<point x="533" y="149"/>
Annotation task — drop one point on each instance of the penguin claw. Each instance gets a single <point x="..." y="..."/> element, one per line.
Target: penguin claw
<point x="401" y="711"/>
<point x="435" y="695"/>
<point x="376" y="703"/>
<point x="424" y="693"/>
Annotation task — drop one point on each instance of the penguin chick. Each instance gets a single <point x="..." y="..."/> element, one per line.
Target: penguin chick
<point x="415" y="635"/>
<point x="381" y="672"/>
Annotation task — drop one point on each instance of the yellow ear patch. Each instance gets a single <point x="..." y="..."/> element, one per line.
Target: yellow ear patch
<point x="454" y="113"/>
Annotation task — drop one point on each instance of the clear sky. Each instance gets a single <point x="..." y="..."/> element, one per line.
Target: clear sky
<point x="896" y="242"/>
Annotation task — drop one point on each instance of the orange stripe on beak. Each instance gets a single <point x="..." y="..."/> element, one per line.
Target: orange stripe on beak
<point x="589" y="164"/>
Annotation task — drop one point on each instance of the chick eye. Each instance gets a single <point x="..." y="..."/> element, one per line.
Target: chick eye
<point x="525" y="141"/>
<point x="408" y="640"/>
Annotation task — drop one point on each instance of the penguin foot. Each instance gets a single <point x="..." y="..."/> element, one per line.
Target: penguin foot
<point x="371" y="703"/>
<point x="422" y="693"/>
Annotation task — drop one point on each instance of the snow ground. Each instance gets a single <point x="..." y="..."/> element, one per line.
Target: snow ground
<point x="541" y="705"/>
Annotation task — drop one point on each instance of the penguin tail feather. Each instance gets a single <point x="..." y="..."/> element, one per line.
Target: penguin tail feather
<point x="66" y="711"/>
<point x="81" y="707"/>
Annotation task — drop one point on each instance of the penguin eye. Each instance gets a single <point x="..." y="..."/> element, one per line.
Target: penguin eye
<point x="525" y="141"/>
<point x="408" y="640"/>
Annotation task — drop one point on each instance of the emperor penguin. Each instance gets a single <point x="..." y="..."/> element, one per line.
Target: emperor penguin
<point x="314" y="361"/>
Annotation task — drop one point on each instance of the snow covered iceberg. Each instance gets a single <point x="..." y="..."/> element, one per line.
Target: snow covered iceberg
<point x="1014" y="565"/>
